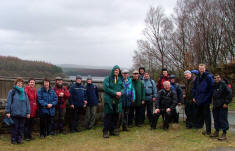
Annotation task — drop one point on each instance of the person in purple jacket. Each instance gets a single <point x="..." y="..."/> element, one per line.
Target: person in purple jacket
<point x="202" y="96"/>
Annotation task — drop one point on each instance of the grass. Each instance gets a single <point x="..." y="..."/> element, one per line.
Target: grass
<point x="137" y="139"/>
<point x="231" y="105"/>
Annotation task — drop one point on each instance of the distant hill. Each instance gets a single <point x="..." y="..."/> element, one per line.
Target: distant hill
<point x="14" y="67"/>
<point x="84" y="70"/>
<point x="83" y="66"/>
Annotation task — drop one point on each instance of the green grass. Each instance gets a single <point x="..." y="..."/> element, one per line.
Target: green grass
<point x="231" y="105"/>
<point x="137" y="139"/>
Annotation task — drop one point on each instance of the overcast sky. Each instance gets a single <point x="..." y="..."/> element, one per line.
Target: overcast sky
<point x="82" y="32"/>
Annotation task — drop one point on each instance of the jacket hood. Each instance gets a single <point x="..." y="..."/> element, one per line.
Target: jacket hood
<point x="112" y="73"/>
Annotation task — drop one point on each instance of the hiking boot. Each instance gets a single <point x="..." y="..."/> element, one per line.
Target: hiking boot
<point x="223" y="137"/>
<point x="114" y="133"/>
<point x="206" y="133"/>
<point x="124" y="128"/>
<point x="152" y="128"/>
<point x="105" y="134"/>
<point x="215" y="134"/>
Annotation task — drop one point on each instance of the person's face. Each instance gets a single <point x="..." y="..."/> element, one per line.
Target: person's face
<point x="217" y="79"/>
<point x="116" y="72"/>
<point x="79" y="80"/>
<point x="167" y="87"/>
<point x="59" y="82"/>
<point x="146" y="76"/>
<point x="165" y="73"/>
<point x="19" y="84"/>
<point x="125" y="75"/>
<point x="46" y="84"/>
<point x="89" y="81"/>
<point x="172" y="80"/>
<point x="32" y="83"/>
<point x="202" y="69"/>
<point x="187" y="76"/>
<point x="136" y="76"/>
<point x="141" y="71"/>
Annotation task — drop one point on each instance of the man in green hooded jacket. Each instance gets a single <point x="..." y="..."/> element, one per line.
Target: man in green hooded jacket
<point x="113" y="90"/>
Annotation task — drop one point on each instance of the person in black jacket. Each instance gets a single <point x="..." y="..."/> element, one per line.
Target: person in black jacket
<point x="92" y="102"/>
<point x="222" y="96"/>
<point x="165" y="105"/>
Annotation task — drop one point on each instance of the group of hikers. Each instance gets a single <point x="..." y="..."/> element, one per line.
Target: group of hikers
<point x="126" y="100"/>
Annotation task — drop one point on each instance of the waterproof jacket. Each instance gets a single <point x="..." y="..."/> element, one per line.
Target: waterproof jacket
<point x="203" y="88"/>
<point x="61" y="100"/>
<point x="92" y="94"/>
<point x="15" y="106"/>
<point x="161" y="80"/>
<point x="45" y="98"/>
<point x="129" y="93"/>
<point x="139" y="91"/>
<point x="166" y="99"/>
<point x="189" y="90"/>
<point x="222" y="94"/>
<point x="32" y="95"/>
<point x="78" y="95"/>
<point x="110" y="90"/>
<point x="179" y="92"/>
<point x="150" y="89"/>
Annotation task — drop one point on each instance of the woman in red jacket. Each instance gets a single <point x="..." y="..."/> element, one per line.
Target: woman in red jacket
<point x="32" y="95"/>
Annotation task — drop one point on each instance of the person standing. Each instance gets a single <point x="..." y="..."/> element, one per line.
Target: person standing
<point x="47" y="101"/>
<point x="164" y="77"/>
<point x="150" y="95"/>
<point x="137" y="109"/>
<point x="63" y="95"/>
<point x="141" y="73"/>
<point x="165" y="106"/>
<point x="202" y="95"/>
<point x="78" y="100"/>
<point x="18" y="109"/>
<point x="222" y="96"/>
<point x="188" y="100"/>
<point x="128" y="98"/>
<point x="32" y="95"/>
<point x="179" y="93"/>
<point x="113" y="90"/>
<point x="92" y="102"/>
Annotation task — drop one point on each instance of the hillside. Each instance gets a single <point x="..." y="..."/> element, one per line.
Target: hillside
<point x="13" y="67"/>
<point x="85" y="72"/>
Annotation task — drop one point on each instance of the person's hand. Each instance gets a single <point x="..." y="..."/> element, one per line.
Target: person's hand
<point x="8" y="115"/>
<point x="132" y="101"/>
<point x="168" y="110"/>
<point x="72" y="106"/>
<point x="61" y="94"/>
<point x="194" y="100"/>
<point x="184" y="96"/>
<point x="154" y="99"/>
<point x="142" y="102"/>
<point x="49" y="105"/>
<point x="85" y="102"/>
<point x="156" y="111"/>
<point x="28" y="116"/>
<point x="225" y="106"/>
<point x="119" y="94"/>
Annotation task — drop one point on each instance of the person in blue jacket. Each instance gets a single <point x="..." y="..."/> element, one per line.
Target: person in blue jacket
<point x="47" y="100"/>
<point x="202" y="96"/>
<point x="78" y="100"/>
<point x="128" y="98"/>
<point x="177" y="88"/>
<point x="150" y="96"/>
<point x="92" y="102"/>
<point x="18" y="109"/>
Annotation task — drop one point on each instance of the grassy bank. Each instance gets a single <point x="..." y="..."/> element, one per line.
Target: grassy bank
<point x="137" y="139"/>
<point x="232" y="105"/>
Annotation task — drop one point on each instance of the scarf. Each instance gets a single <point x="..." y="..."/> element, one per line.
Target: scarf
<point x="21" y="90"/>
